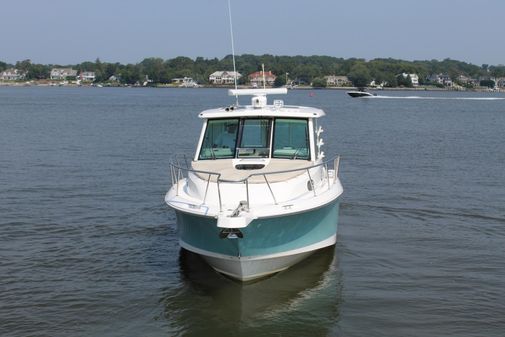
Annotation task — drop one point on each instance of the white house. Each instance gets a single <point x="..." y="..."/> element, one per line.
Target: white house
<point x="337" y="81"/>
<point x="224" y="77"/>
<point x="465" y="80"/>
<point x="443" y="79"/>
<point x="62" y="73"/>
<point x="446" y="80"/>
<point x="12" y="75"/>
<point x="87" y="76"/>
<point x="413" y="78"/>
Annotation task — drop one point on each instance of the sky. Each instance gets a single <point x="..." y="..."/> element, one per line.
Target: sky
<point x="127" y="31"/>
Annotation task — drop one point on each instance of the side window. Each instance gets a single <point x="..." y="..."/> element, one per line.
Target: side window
<point x="291" y="139"/>
<point x="220" y="139"/>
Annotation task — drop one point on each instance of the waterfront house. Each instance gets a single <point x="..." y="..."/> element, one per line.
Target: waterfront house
<point x="446" y="80"/>
<point x="413" y="78"/>
<point x="337" y="81"/>
<point x="443" y="79"/>
<point x="12" y="75"/>
<point x="500" y="82"/>
<point x="434" y="78"/>
<point x="224" y="77"/>
<point x="88" y="76"/>
<point x="468" y="81"/>
<point x="62" y="73"/>
<point x="256" y="78"/>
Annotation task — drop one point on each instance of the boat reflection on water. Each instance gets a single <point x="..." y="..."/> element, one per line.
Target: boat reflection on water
<point x="298" y="300"/>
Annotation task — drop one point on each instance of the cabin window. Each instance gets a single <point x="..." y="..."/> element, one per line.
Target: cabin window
<point x="291" y="139"/>
<point x="220" y="139"/>
<point x="255" y="138"/>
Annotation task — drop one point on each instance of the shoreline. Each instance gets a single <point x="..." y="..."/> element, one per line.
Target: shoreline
<point x="164" y="86"/>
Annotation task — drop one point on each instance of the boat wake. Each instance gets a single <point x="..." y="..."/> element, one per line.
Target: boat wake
<point x="441" y="98"/>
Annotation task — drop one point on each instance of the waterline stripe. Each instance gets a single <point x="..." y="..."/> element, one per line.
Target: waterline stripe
<point x="321" y="244"/>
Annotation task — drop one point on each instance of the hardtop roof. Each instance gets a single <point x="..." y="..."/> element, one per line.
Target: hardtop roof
<point x="266" y="111"/>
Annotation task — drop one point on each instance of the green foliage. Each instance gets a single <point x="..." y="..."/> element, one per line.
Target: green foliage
<point x="497" y="71"/>
<point x="404" y="81"/>
<point x="389" y="80"/>
<point x="154" y="69"/>
<point x="319" y="82"/>
<point x="38" y="72"/>
<point x="32" y="71"/>
<point x="359" y="75"/>
<point x="130" y="74"/>
<point x="280" y="81"/>
<point x="24" y="66"/>
<point x="487" y="83"/>
<point x="301" y="69"/>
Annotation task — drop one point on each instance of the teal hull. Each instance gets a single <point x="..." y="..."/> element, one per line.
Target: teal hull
<point x="262" y="237"/>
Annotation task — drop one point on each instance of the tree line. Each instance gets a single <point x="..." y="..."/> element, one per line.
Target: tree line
<point x="300" y="69"/>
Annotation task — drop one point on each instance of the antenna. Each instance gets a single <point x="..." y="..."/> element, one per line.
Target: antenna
<point x="263" y="71"/>
<point x="232" y="49"/>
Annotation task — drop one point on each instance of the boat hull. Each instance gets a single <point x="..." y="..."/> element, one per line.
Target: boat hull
<point x="360" y="94"/>
<point x="267" y="245"/>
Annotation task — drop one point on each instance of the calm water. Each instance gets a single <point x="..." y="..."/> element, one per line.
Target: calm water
<point x="88" y="248"/>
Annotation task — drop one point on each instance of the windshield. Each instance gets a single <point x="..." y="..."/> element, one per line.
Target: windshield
<point x="220" y="139"/>
<point x="255" y="140"/>
<point x="291" y="139"/>
<point x="251" y="138"/>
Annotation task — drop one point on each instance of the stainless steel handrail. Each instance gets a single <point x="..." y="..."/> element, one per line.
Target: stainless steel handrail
<point x="176" y="173"/>
<point x="177" y="176"/>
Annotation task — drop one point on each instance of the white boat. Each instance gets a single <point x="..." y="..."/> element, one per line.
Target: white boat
<point x="257" y="196"/>
<point x="359" y="93"/>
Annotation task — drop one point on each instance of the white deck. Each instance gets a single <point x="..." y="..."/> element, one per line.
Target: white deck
<point x="228" y="172"/>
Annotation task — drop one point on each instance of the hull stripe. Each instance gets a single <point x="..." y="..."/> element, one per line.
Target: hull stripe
<point x="321" y="244"/>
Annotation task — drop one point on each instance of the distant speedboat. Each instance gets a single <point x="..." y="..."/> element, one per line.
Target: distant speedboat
<point x="360" y="94"/>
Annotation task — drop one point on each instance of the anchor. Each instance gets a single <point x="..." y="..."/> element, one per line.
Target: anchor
<point x="231" y="223"/>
